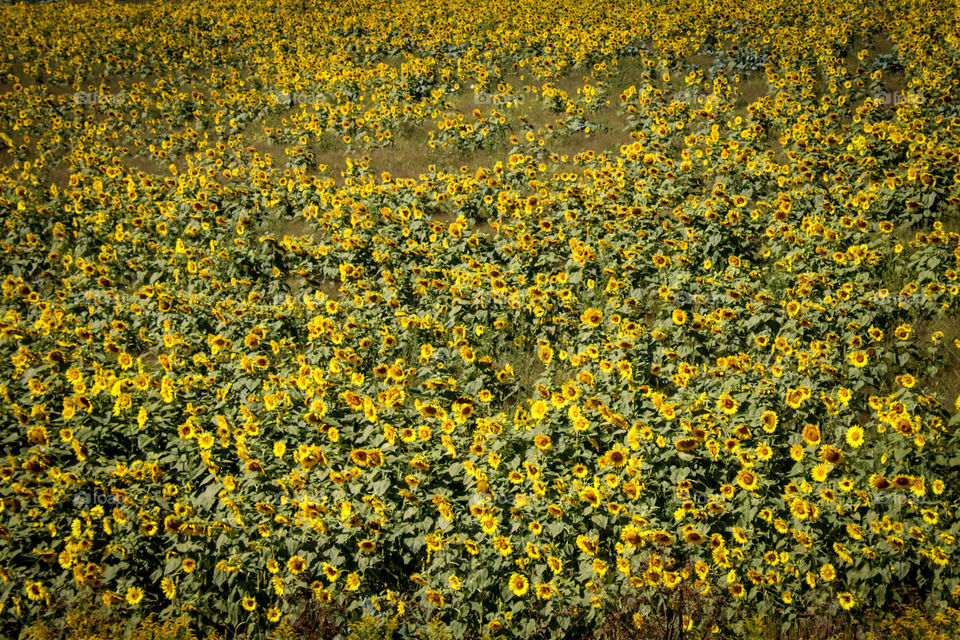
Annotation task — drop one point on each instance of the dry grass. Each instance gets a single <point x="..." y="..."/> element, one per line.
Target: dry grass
<point x="751" y="87"/>
<point x="410" y="157"/>
<point x="882" y="43"/>
<point x="630" y="71"/>
<point x="894" y="81"/>
<point x="146" y="164"/>
<point x="59" y="175"/>
<point x="298" y="285"/>
<point x="607" y="141"/>
<point x="945" y="383"/>
<point x="301" y="227"/>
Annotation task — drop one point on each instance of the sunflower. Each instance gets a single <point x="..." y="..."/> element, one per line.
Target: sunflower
<point x="206" y="440"/>
<point x="374" y="457"/>
<point x="616" y="456"/>
<point x="248" y="603"/>
<point x="727" y="404"/>
<point x="542" y="442"/>
<point x="906" y="381"/>
<point x="904" y="425"/>
<point x="660" y="260"/>
<point x="879" y="483"/>
<point x="844" y="395"/>
<point x="770" y="421"/>
<point x="296" y="565"/>
<point x="217" y="343"/>
<point x="692" y="536"/>
<point x="331" y="572"/>
<point x="828" y="573"/>
<point x="591" y="317"/>
<point x="901" y="481"/>
<point x="855" y="436"/>
<point x="831" y="455"/>
<point x="903" y="332"/>
<point x="747" y="480"/>
<point x="795" y="398"/>
<point x="631" y="535"/>
<point x="352" y="582"/>
<point x="544" y="590"/>
<point x="588" y="545"/>
<point x="819" y="472"/>
<point x="35" y="590"/>
<point x="169" y="588"/>
<point x="503" y="545"/>
<point x="538" y="410"/>
<point x="847" y="600"/>
<point x="367" y="546"/>
<point x="134" y="596"/>
<point x="811" y="434"/>
<point x="519" y="585"/>
<point x="858" y="359"/>
<point x="661" y="537"/>
<point x="590" y="495"/>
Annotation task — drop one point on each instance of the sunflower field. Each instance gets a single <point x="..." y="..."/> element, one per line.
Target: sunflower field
<point x="496" y="318"/>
